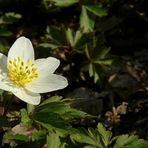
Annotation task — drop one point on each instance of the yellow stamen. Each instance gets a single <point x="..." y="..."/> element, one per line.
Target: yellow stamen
<point x="21" y="73"/>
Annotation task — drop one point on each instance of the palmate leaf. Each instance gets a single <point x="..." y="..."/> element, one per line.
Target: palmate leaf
<point x="55" y="34"/>
<point x="57" y="37"/>
<point x="102" y="138"/>
<point x="81" y="40"/>
<point x="105" y="135"/>
<point x="99" y="61"/>
<point x="53" y="141"/>
<point x="93" y="137"/>
<point x="54" y="112"/>
<point x="77" y="40"/>
<point x="52" y="121"/>
<point x="98" y="69"/>
<point x="60" y="106"/>
<point x="82" y="136"/>
<point x="66" y="38"/>
<point x="130" y="142"/>
<point x="101" y="53"/>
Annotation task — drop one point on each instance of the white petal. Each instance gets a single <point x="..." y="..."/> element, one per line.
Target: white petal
<point x="27" y="96"/>
<point x="47" y="66"/>
<point x="47" y="84"/>
<point x="3" y="63"/>
<point x="23" y="94"/>
<point x="22" y="48"/>
<point x="4" y="86"/>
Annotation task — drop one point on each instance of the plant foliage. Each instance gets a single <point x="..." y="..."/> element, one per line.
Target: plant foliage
<point x="102" y="47"/>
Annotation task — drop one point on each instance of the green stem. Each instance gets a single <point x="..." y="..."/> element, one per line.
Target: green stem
<point x="30" y="108"/>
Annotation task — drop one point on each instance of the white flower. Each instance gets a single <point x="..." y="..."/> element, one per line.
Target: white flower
<point x="26" y="77"/>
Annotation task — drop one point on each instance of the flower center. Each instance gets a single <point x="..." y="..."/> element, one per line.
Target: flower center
<point x="21" y="73"/>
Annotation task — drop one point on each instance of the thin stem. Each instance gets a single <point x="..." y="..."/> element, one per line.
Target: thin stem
<point x="30" y="108"/>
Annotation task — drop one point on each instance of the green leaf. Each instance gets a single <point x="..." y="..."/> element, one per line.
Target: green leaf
<point x="51" y="99"/>
<point x="94" y="137"/>
<point x="53" y="141"/>
<point x="86" y="22"/>
<point x="57" y="36"/>
<point x="87" y="52"/>
<point x="70" y="37"/>
<point x="74" y="113"/>
<point x="82" y="136"/>
<point x="99" y="62"/>
<point x="52" y="121"/>
<point x="64" y="3"/>
<point x="38" y="135"/>
<point x="104" y="62"/>
<point x="49" y="45"/>
<point x="101" y="53"/>
<point x="61" y="107"/>
<point x="54" y="107"/>
<point x="105" y="135"/>
<point x="3" y="122"/>
<point x="96" y="9"/>
<point x="9" y="18"/>
<point x="77" y="37"/>
<point x="130" y="142"/>
<point x="81" y="40"/>
<point x="18" y="137"/>
<point x="91" y="70"/>
<point x="96" y="76"/>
